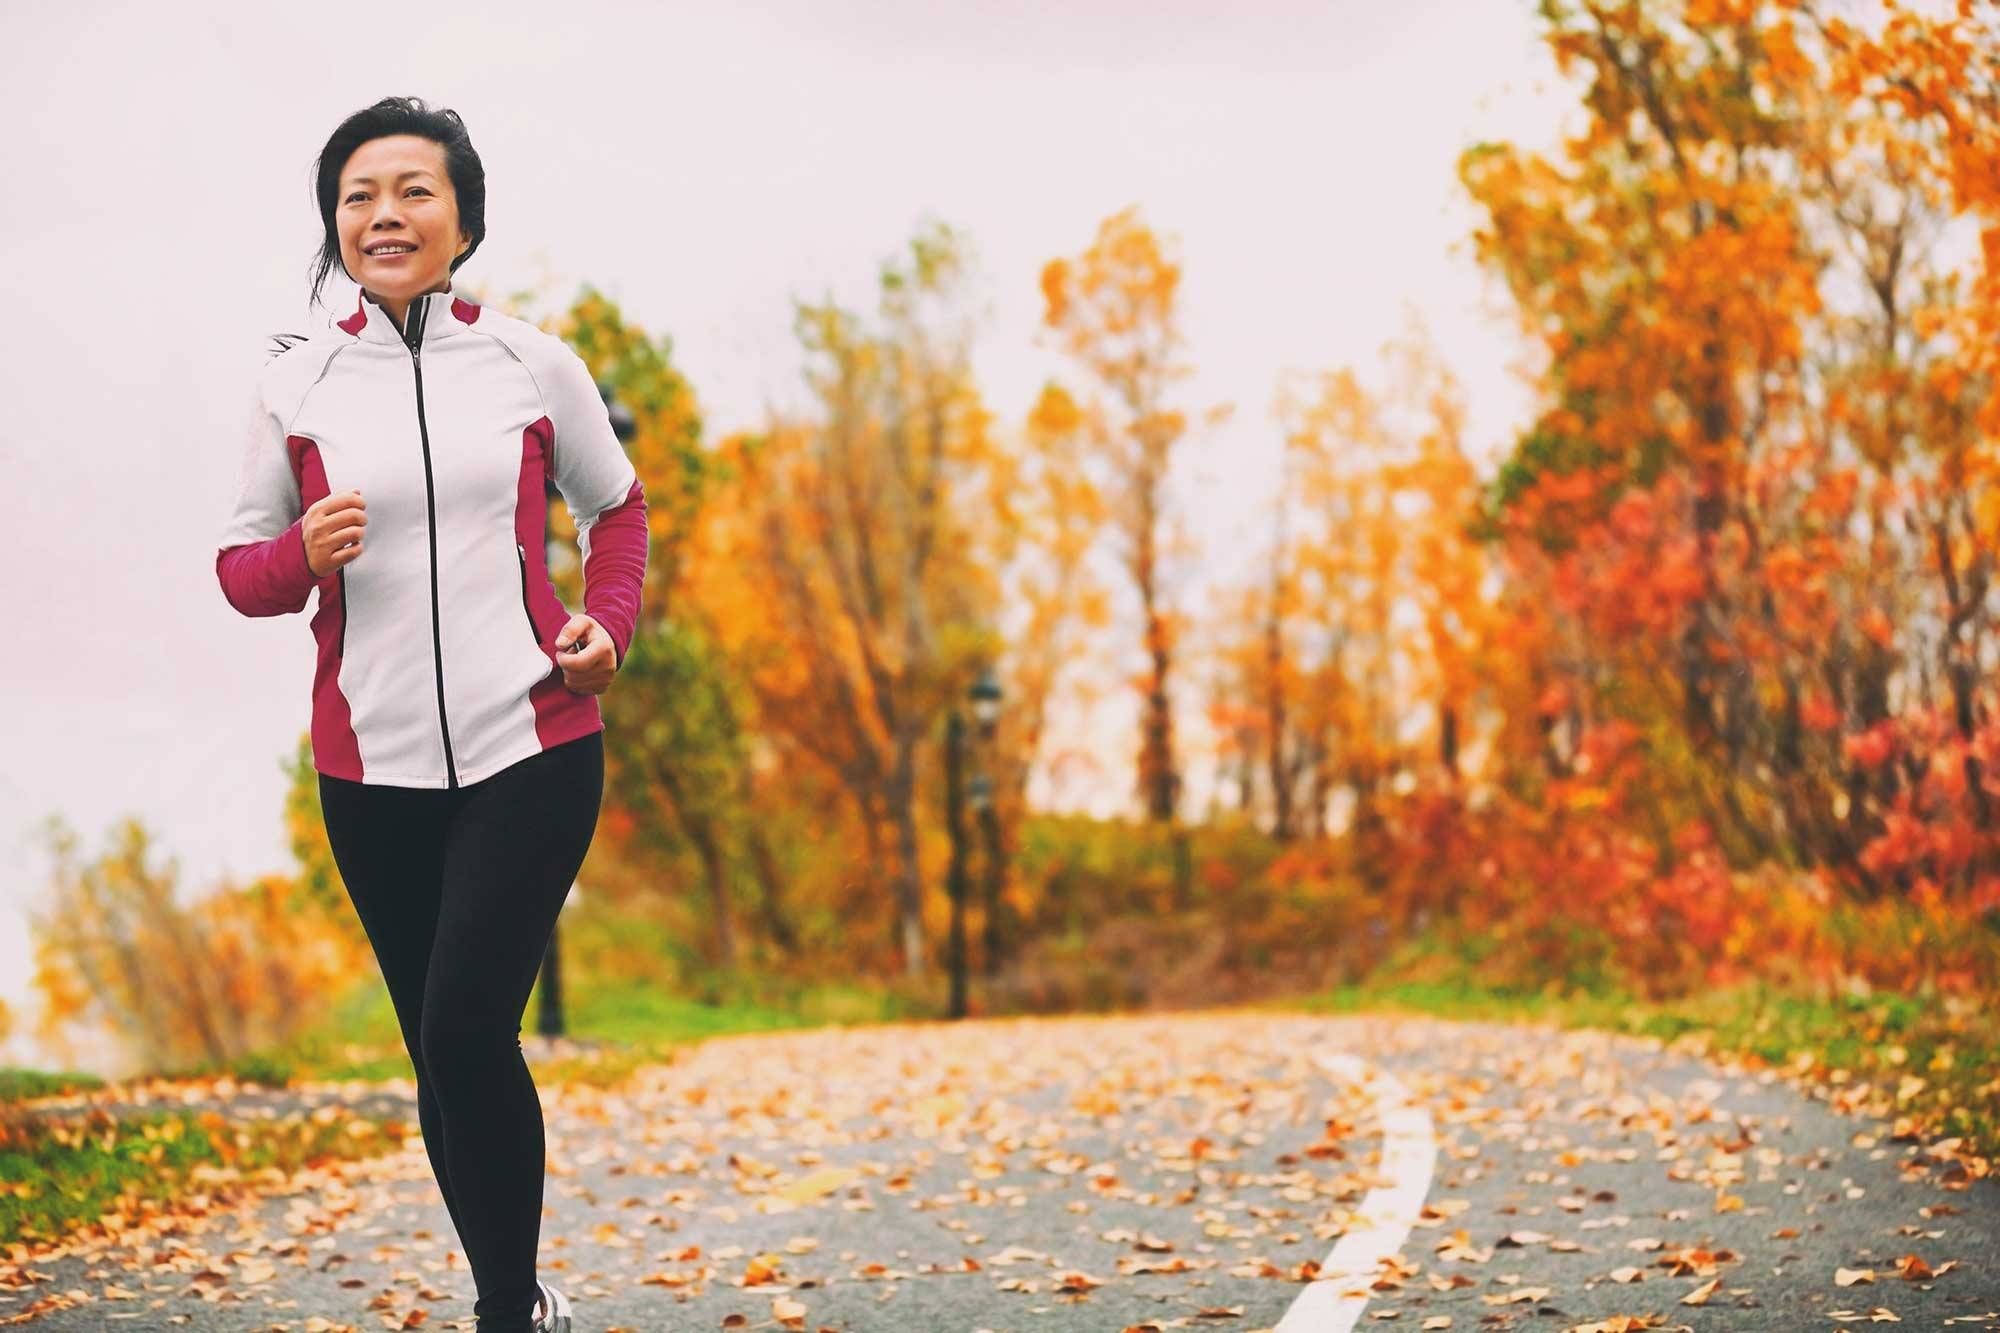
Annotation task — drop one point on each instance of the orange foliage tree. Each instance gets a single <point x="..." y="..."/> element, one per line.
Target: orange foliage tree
<point x="1115" y="309"/>
<point x="850" y="560"/>
<point x="681" y="784"/>
<point x="1363" y="662"/>
<point x="1729" y="614"/>
<point x="1750" y="485"/>
<point x="179" y="986"/>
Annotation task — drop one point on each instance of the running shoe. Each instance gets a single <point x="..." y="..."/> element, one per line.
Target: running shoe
<point x="553" y="1316"/>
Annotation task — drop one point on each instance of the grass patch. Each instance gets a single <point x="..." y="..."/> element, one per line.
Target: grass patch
<point x="21" y="1084"/>
<point x="641" y="1024"/>
<point x="1930" y="1064"/>
<point x="629" y="1023"/>
<point x="60" y="1172"/>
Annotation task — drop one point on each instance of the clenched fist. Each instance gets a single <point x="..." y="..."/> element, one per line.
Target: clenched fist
<point x="332" y="530"/>
<point x="588" y="657"/>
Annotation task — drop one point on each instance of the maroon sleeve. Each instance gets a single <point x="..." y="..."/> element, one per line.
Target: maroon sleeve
<point x="267" y="578"/>
<point x="615" y="571"/>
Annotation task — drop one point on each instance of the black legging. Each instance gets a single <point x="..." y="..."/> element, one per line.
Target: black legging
<point x="458" y="891"/>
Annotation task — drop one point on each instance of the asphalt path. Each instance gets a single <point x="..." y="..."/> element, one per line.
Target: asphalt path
<point x="1213" y="1170"/>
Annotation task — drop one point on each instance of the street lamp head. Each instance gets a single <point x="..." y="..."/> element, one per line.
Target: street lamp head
<point x="985" y="694"/>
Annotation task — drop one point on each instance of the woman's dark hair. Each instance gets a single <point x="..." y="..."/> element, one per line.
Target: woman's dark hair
<point x="398" y="115"/>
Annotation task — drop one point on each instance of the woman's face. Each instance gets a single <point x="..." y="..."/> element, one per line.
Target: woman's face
<point x="394" y="192"/>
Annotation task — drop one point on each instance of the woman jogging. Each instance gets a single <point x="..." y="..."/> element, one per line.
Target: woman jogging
<point x="397" y="463"/>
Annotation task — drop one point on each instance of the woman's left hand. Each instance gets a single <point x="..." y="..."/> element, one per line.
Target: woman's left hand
<point x="590" y="668"/>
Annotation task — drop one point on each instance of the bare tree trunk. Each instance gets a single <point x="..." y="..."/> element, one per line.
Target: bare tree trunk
<point x="1157" y="757"/>
<point x="1321" y="788"/>
<point x="776" y="916"/>
<point x="901" y="799"/>
<point x="670" y="796"/>
<point x="1448" y="739"/>
<point x="1276" y="721"/>
<point x="715" y="867"/>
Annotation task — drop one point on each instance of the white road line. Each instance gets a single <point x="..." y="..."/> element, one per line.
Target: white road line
<point x="1333" y="1301"/>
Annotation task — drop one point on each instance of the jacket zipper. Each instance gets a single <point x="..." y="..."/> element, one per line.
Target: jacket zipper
<point x="522" y="552"/>
<point x="414" y="336"/>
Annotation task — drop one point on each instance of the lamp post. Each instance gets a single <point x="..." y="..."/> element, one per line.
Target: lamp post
<point x="954" y="818"/>
<point x="986" y="709"/>
<point x="549" y="1011"/>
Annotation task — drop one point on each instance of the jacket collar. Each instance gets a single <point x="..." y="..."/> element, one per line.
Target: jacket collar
<point x="432" y="315"/>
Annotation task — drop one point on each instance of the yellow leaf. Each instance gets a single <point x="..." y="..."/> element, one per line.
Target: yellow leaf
<point x="822" y="1182"/>
<point x="1518" y="1294"/>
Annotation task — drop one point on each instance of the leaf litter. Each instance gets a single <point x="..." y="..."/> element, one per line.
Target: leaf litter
<point x="1191" y="1158"/>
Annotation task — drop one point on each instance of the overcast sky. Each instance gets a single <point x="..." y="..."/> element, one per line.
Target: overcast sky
<point x="703" y="164"/>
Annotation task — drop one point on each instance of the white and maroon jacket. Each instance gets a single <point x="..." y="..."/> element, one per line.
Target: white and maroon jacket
<point x="437" y="661"/>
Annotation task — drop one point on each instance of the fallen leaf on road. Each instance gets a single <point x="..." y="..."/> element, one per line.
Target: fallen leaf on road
<point x="1700" y="1295"/>
<point x="819" y="1183"/>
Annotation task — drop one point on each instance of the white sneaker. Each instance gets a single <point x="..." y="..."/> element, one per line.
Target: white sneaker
<point x="552" y="1313"/>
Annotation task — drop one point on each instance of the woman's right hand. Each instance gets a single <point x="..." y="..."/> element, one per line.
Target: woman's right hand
<point x="332" y="530"/>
